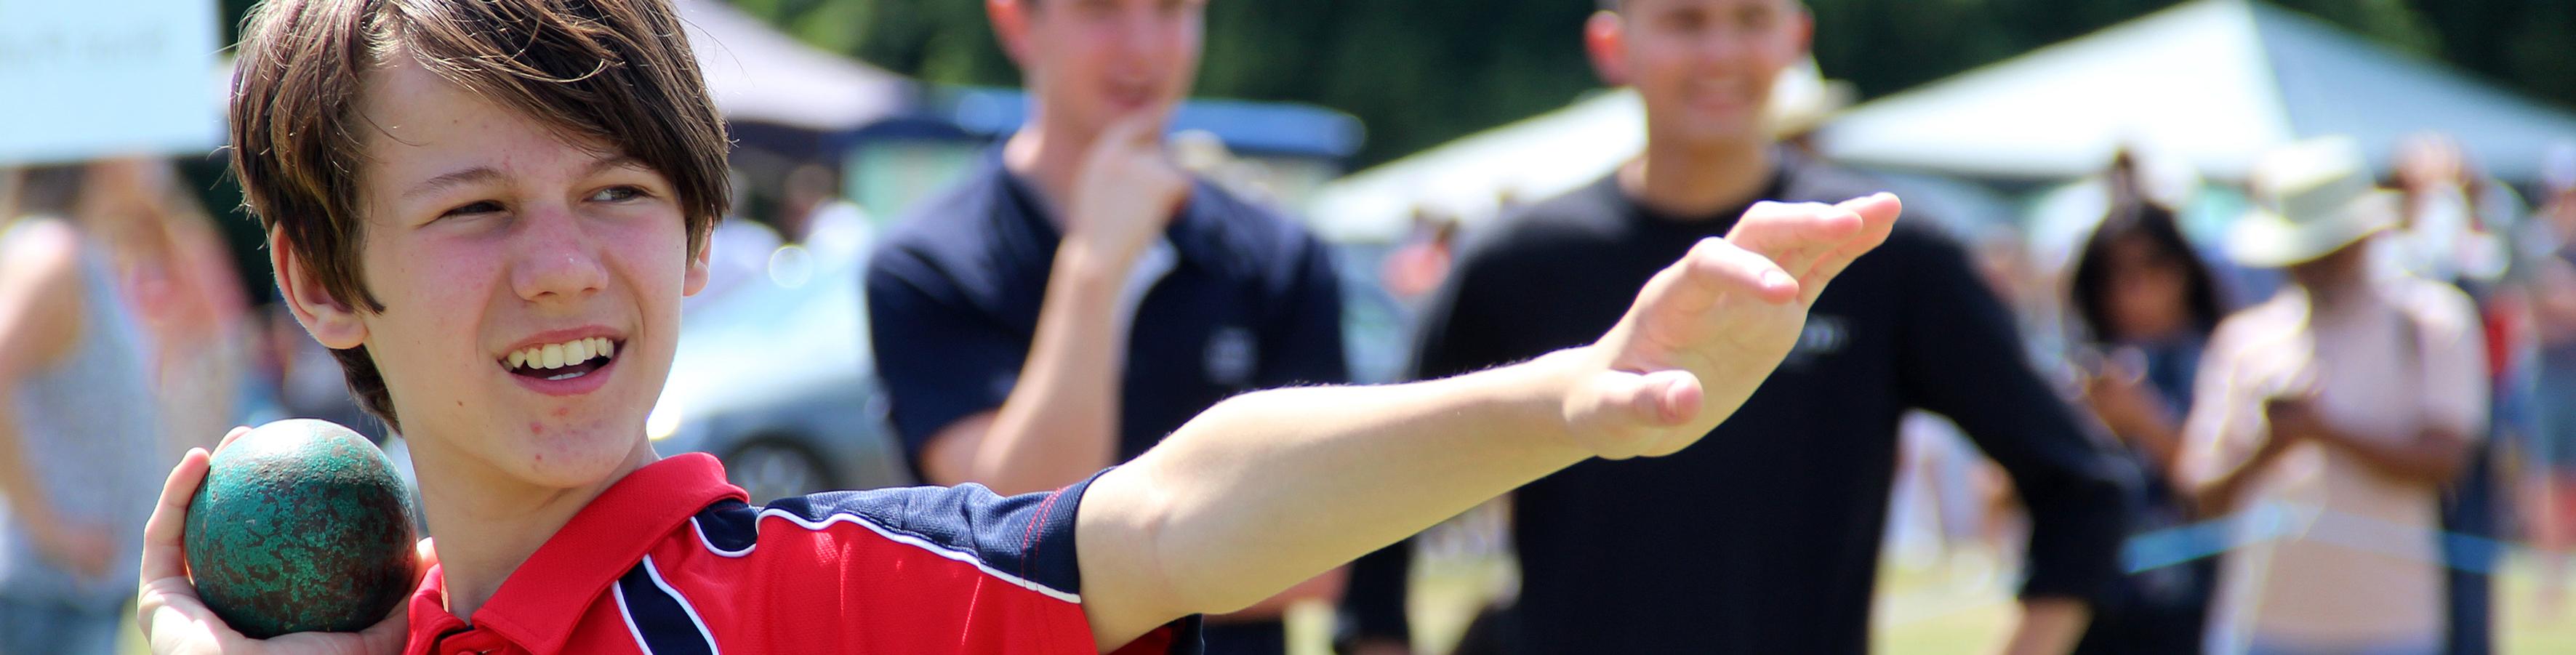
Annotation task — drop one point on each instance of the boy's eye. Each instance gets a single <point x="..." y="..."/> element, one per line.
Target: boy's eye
<point x="617" y="193"/>
<point x="480" y="207"/>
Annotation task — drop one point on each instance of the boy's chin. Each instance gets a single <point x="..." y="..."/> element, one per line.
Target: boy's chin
<point x="577" y="460"/>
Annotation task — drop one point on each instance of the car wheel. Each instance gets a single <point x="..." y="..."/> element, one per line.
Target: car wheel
<point x="771" y="469"/>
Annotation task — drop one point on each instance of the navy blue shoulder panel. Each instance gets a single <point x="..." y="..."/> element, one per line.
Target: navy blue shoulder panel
<point x="1028" y="536"/>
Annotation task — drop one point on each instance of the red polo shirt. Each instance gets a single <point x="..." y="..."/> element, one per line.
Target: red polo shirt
<point x="671" y="560"/>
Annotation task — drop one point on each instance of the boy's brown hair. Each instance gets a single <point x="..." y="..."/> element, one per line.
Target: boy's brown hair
<point x="610" y="72"/>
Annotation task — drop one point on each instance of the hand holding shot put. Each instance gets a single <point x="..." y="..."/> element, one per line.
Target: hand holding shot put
<point x="328" y="576"/>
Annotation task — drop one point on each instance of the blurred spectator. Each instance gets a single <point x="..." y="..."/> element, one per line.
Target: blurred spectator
<point x="1077" y="296"/>
<point x="2327" y="420"/>
<point x="2144" y="308"/>
<point x="1417" y="266"/>
<point x="79" y="443"/>
<point x="1764" y="538"/>
<point x="2450" y="233"/>
<point x="2552" y="235"/>
<point x="179" y="280"/>
<point x="738" y="251"/>
<point x="816" y="216"/>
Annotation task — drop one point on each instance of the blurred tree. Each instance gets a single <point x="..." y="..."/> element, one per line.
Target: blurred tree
<point x="1420" y="72"/>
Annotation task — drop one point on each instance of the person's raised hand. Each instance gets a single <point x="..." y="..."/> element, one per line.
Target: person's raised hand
<point x="1127" y="192"/>
<point x="174" y="620"/>
<point x="1706" y="331"/>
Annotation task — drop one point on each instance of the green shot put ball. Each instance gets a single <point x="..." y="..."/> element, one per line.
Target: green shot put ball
<point x="301" y="526"/>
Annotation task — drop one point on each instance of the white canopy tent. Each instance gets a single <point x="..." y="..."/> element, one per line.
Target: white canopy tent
<point x="1530" y="159"/>
<point x="2214" y="82"/>
<point x="757" y="74"/>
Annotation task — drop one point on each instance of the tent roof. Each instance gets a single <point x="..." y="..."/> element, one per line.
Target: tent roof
<point x="2215" y="82"/>
<point x="1534" y="158"/>
<point x="757" y="74"/>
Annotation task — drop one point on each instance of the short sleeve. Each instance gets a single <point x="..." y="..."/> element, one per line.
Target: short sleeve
<point x="2226" y="419"/>
<point x="2453" y="343"/>
<point x="1962" y="357"/>
<point x="961" y="568"/>
<point x="940" y="360"/>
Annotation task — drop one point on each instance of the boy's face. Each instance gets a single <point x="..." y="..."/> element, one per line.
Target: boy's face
<point x="487" y="234"/>
<point x="1092" y="62"/>
<point x="1702" y="67"/>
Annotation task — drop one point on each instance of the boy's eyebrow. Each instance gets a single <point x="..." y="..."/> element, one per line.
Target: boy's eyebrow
<point x="487" y="173"/>
<point x="470" y="175"/>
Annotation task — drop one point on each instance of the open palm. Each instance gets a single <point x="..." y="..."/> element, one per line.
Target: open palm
<point x="1706" y="331"/>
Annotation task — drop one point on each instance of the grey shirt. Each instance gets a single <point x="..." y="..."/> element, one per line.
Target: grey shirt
<point x="92" y="439"/>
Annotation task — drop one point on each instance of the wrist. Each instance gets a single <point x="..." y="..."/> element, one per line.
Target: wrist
<point x="1093" y="264"/>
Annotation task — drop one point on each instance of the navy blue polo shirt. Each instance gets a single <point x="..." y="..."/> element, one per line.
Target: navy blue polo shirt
<point x="1250" y="301"/>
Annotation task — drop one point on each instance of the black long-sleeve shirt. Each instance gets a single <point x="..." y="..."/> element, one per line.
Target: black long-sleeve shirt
<point x="1763" y="537"/>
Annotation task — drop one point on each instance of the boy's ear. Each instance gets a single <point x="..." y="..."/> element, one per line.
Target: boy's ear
<point x="330" y="321"/>
<point x="1010" y="27"/>
<point x="1605" y="40"/>
<point x="696" y="279"/>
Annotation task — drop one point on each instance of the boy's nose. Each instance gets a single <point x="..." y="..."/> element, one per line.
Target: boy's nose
<point x="555" y="259"/>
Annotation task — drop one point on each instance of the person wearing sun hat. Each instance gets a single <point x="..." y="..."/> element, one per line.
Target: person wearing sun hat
<point x="2332" y="416"/>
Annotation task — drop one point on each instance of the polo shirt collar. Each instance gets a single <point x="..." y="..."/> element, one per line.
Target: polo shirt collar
<point x="542" y="601"/>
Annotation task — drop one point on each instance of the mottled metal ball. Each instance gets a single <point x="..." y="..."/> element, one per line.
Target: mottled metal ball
<point x="301" y="526"/>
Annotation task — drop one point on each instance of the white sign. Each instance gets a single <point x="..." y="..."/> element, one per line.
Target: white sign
<point x="88" y="79"/>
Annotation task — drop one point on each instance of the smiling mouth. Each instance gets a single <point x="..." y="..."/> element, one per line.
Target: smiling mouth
<point x="562" y="361"/>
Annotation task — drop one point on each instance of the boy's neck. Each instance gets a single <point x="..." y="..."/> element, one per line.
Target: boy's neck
<point x="487" y="523"/>
<point x="1697" y="180"/>
<point x="1049" y="156"/>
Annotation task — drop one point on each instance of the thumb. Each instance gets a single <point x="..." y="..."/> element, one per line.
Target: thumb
<point x="1615" y="404"/>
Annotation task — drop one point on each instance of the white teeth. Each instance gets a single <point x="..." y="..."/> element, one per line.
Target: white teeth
<point x="559" y="355"/>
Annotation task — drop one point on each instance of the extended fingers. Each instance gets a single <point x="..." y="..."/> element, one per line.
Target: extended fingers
<point x="1877" y="214"/>
<point x="1795" y="235"/>
<point x="1718" y="268"/>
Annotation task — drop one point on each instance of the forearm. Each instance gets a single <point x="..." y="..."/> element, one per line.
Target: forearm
<point x="2222" y="494"/>
<point x="1270" y="488"/>
<point x="1326" y="588"/>
<point x="2432" y="457"/>
<point x="1060" y="422"/>
<point x="2049" y="626"/>
<point x="17" y="481"/>
<point x="2162" y="439"/>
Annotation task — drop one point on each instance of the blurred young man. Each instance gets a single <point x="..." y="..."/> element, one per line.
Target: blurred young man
<point x="1077" y="297"/>
<point x="1776" y="550"/>
<point x="2332" y="415"/>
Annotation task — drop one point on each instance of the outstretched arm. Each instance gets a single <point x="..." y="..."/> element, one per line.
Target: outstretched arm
<point x="1270" y="488"/>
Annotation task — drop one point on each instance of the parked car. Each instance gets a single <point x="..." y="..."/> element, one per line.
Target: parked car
<point x="774" y="378"/>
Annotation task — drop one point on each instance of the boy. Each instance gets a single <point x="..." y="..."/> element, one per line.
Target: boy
<point x="490" y="210"/>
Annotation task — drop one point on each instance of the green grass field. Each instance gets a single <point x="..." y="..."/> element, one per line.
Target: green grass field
<point x="1919" y="612"/>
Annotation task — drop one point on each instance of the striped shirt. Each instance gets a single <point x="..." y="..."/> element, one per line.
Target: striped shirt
<point x="671" y="560"/>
